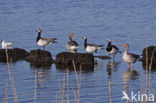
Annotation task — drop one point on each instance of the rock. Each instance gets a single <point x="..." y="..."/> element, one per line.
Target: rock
<point x="13" y="54"/>
<point x="39" y="58"/>
<point x="40" y="65"/>
<point x="151" y="55"/>
<point x="85" y="61"/>
<point x="102" y="57"/>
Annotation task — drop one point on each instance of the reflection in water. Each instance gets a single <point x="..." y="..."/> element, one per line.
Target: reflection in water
<point x="127" y="76"/>
<point x="111" y="65"/>
<point x="78" y="67"/>
<point x="42" y="76"/>
<point x="40" y="65"/>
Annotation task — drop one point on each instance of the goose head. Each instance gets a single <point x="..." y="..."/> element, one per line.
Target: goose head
<point x="38" y="30"/>
<point x="125" y="45"/>
<point x="84" y="37"/>
<point x="108" y="40"/>
<point x="72" y="34"/>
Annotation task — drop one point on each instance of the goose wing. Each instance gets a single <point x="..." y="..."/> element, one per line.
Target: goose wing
<point x="134" y="55"/>
<point x="50" y="40"/>
<point x="9" y="43"/>
<point x="115" y="47"/>
<point x="72" y="43"/>
<point x="95" y="45"/>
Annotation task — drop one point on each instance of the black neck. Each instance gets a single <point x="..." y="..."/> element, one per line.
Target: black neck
<point x="85" y="42"/>
<point x="109" y="43"/>
<point x="38" y="37"/>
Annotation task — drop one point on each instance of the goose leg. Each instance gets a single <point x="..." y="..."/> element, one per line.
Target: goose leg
<point x="109" y="56"/>
<point x="113" y="57"/>
<point x="96" y="51"/>
<point x="129" y="66"/>
<point x="132" y="66"/>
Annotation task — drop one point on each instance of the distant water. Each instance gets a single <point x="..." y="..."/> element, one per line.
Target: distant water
<point x="122" y="21"/>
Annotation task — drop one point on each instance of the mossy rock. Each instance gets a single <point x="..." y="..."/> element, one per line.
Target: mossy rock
<point x="80" y="60"/>
<point x="150" y="53"/>
<point x="13" y="54"/>
<point x="40" y="58"/>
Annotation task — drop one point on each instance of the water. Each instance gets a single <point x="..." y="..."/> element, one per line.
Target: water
<point x="122" y="21"/>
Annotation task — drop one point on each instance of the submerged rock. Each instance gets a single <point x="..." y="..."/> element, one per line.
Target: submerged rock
<point x="13" y="54"/>
<point x="83" y="61"/>
<point x="39" y="58"/>
<point x="150" y="52"/>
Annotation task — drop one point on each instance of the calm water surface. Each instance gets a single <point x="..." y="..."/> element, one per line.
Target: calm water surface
<point x="130" y="21"/>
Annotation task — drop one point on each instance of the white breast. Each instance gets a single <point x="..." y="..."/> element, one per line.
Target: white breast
<point x="90" y="49"/>
<point x="127" y="58"/>
<point x="113" y="51"/>
<point x="43" y="42"/>
<point x="71" y="47"/>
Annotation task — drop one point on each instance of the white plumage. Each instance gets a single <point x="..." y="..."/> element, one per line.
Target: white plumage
<point x="6" y="45"/>
<point x="71" y="47"/>
<point x="91" y="49"/>
<point x="43" y="43"/>
<point x="113" y="51"/>
<point x="128" y="58"/>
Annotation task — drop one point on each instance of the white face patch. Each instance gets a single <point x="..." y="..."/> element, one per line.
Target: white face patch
<point x="108" y="40"/>
<point x="38" y="30"/>
<point x="84" y="37"/>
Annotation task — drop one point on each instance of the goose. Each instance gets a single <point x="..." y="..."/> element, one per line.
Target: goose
<point x="43" y="42"/>
<point x="129" y="57"/>
<point x="71" y="45"/>
<point x="90" y="48"/>
<point x="112" y="49"/>
<point x="6" y="45"/>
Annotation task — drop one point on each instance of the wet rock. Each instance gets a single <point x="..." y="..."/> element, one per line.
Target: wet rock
<point x="102" y="57"/>
<point x="39" y="58"/>
<point x="151" y="56"/>
<point x="13" y="54"/>
<point x="83" y="61"/>
<point x="40" y="65"/>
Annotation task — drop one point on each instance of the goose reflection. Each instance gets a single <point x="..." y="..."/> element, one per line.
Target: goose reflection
<point x="112" y="66"/>
<point x="128" y="76"/>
